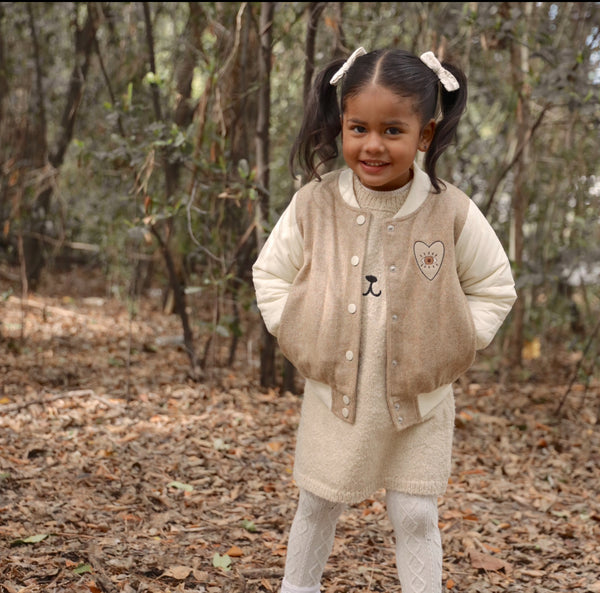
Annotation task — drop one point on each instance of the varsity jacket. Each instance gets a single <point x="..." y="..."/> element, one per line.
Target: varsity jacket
<point x="448" y="281"/>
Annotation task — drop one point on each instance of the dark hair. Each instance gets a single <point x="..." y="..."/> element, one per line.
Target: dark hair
<point x="398" y="70"/>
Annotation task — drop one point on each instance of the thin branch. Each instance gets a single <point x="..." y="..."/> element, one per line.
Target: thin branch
<point x="46" y="400"/>
<point x="576" y="371"/>
<point x="515" y="158"/>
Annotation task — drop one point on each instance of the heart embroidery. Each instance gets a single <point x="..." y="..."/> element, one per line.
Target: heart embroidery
<point x="429" y="257"/>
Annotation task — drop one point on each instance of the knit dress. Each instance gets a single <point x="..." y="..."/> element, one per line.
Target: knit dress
<point x="345" y="462"/>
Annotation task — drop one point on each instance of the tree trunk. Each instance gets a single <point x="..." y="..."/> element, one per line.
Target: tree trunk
<point x="176" y="283"/>
<point x="85" y="39"/>
<point x="267" y="350"/>
<point x="315" y="10"/>
<point x="519" y="54"/>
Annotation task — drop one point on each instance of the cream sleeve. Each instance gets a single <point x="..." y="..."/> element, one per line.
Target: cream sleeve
<point x="276" y="267"/>
<point x="485" y="275"/>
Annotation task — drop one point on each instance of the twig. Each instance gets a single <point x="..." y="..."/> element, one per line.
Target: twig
<point x="101" y="578"/>
<point x="28" y="302"/>
<point x="576" y="371"/>
<point x="371" y="575"/>
<point x="46" y="400"/>
<point x="262" y="573"/>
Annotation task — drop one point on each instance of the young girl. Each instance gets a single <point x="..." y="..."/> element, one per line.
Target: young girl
<point x="380" y="282"/>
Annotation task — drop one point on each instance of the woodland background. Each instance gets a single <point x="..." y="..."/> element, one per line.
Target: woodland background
<point x="147" y="419"/>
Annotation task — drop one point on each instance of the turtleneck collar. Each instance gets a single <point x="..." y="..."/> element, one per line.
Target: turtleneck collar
<point x="386" y="202"/>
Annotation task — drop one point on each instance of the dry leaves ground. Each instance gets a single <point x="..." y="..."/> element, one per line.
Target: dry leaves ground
<point x="119" y="474"/>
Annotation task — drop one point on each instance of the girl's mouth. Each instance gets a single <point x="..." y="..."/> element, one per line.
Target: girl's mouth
<point x="373" y="164"/>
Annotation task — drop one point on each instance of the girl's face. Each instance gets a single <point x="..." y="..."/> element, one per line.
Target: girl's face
<point x="381" y="134"/>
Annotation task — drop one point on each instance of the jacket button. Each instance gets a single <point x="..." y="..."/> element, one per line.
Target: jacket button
<point x="392" y="268"/>
<point x="354" y="260"/>
<point x="390" y="228"/>
<point x="345" y="412"/>
<point x="346" y="399"/>
<point x="394" y="363"/>
<point x="400" y="420"/>
<point x="349" y="355"/>
<point x="394" y="317"/>
<point x="397" y="406"/>
<point x="360" y="219"/>
<point x="351" y="308"/>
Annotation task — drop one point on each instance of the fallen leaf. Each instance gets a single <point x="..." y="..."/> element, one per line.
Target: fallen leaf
<point x="178" y="572"/>
<point x="487" y="562"/>
<point x="223" y="562"/>
<point x="32" y="539"/>
<point x="180" y="486"/>
<point x="234" y="552"/>
<point x="200" y="575"/>
<point x="249" y="525"/>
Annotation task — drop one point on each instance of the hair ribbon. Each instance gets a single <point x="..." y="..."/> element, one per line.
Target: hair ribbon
<point x="335" y="79"/>
<point x="446" y="78"/>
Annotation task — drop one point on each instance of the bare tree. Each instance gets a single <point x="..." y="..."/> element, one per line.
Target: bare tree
<point x="37" y="153"/>
<point x="268" y="345"/>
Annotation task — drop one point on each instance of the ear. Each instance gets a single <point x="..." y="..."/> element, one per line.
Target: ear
<point x="426" y="135"/>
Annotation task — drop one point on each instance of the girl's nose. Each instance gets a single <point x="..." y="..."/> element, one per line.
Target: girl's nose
<point x="373" y="142"/>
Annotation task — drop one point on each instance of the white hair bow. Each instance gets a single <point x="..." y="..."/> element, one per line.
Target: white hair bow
<point x="361" y="51"/>
<point x="446" y="78"/>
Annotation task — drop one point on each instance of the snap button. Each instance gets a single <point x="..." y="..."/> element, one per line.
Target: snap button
<point x="360" y="219"/>
<point x="349" y="355"/>
<point x="345" y="412"/>
<point x="346" y="399"/>
<point x="400" y="420"/>
<point x="390" y="228"/>
<point x="351" y="308"/>
<point x="394" y="363"/>
<point x="354" y="261"/>
<point x="394" y="317"/>
<point x="397" y="406"/>
<point x="392" y="268"/>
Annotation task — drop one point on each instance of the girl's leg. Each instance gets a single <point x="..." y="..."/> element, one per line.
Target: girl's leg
<point x="310" y="543"/>
<point x="418" y="541"/>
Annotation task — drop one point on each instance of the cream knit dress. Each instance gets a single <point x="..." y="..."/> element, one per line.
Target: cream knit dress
<point x="347" y="463"/>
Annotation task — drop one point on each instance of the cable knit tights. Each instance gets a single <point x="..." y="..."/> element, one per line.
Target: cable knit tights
<point x="418" y="542"/>
<point x="310" y="543"/>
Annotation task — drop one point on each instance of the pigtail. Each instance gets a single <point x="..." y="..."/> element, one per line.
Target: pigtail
<point x="316" y="142"/>
<point x="452" y="105"/>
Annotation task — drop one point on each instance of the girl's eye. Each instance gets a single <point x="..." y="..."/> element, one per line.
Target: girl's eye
<point x="393" y="131"/>
<point x="359" y="129"/>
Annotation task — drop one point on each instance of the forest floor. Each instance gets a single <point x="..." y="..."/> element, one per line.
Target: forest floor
<point x="119" y="474"/>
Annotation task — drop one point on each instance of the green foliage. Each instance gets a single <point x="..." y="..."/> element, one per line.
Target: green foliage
<point x="140" y="166"/>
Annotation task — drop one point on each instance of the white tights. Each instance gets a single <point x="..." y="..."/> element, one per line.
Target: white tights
<point x="418" y="542"/>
